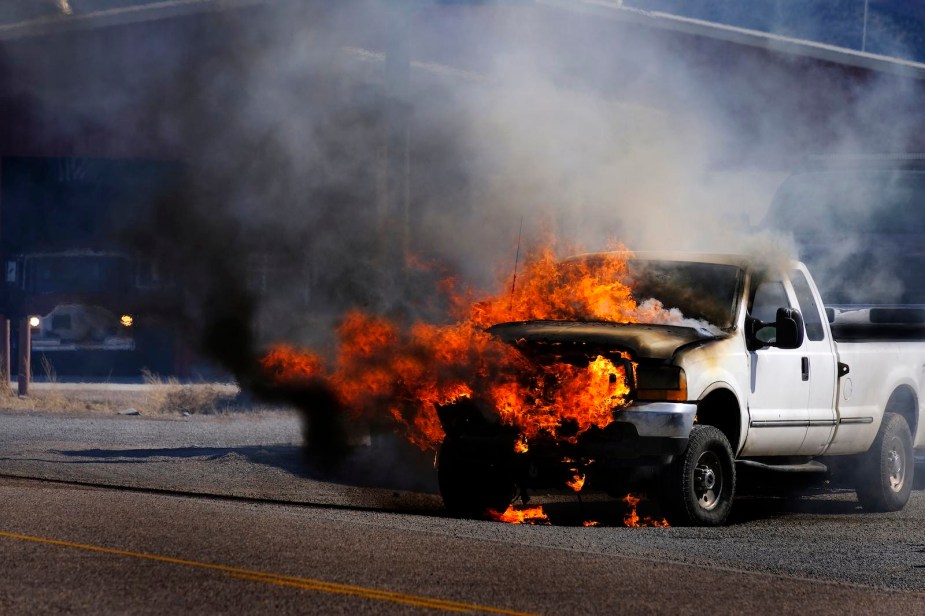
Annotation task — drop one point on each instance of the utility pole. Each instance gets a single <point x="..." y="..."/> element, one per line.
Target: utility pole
<point x="25" y="356"/>
<point x="6" y="361"/>
<point x="5" y="351"/>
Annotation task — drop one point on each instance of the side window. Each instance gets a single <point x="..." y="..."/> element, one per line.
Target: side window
<point x="769" y="296"/>
<point x="811" y="313"/>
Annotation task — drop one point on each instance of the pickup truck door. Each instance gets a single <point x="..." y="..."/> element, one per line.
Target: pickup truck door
<point x="820" y="367"/>
<point x="779" y="395"/>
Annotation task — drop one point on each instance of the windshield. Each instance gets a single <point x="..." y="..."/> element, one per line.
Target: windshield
<point x="698" y="291"/>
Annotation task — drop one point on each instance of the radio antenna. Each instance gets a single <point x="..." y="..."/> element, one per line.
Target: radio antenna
<point x="516" y="261"/>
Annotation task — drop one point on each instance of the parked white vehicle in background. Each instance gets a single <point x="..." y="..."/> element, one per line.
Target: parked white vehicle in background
<point x="762" y="381"/>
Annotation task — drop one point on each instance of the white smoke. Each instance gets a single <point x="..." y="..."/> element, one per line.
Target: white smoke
<point x="586" y="123"/>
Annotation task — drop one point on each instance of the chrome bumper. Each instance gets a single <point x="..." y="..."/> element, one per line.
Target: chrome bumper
<point x="659" y="419"/>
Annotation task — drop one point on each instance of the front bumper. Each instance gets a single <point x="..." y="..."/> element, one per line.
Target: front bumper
<point x="644" y="433"/>
<point x="659" y="419"/>
<point x="642" y="437"/>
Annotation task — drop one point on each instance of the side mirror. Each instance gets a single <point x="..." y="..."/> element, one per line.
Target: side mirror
<point x="786" y="332"/>
<point x="789" y="325"/>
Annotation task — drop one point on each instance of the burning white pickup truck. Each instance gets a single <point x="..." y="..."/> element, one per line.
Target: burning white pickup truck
<point x="739" y="367"/>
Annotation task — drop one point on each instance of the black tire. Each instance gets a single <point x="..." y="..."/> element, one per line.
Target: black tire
<point x="697" y="488"/>
<point x="885" y="473"/>
<point x="474" y="481"/>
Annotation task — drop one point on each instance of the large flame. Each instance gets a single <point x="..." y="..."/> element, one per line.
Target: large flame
<point x="390" y="370"/>
<point x="580" y="291"/>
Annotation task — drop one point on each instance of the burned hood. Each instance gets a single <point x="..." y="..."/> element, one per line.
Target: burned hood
<point x="641" y="340"/>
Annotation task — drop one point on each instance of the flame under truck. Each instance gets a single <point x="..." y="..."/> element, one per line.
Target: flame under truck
<point x="761" y="378"/>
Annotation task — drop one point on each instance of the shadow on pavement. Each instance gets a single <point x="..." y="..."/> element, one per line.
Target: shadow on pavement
<point x="383" y="465"/>
<point x="285" y="457"/>
<point x="393" y="464"/>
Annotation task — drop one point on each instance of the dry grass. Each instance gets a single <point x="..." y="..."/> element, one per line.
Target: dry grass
<point x="169" y="396"/>
<point x="157" y="397"/>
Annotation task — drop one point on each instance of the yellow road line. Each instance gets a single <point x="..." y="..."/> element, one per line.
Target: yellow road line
<point x="284" y="580"/>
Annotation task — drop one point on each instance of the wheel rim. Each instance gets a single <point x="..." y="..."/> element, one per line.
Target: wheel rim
<point x="896" y="465"/>
<point x="708" y="480"/>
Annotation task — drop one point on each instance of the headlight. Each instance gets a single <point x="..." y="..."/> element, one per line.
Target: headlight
<point x="126" y="320"/>
<point x="661" y="383"/>
<point x="34" y="321"/>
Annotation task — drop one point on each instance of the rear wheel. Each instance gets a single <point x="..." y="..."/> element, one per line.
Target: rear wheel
<point x="473" y="481"/>
<point x="884" y="475"/>
<point x="697" y="488"/>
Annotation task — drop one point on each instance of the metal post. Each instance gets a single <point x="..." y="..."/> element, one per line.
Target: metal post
<point x="5" y="351"/>
<point x="6" y="362"/>
<point x="25" y="356"/>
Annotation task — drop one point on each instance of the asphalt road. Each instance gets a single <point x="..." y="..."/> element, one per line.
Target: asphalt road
<point x="374" y="539"/>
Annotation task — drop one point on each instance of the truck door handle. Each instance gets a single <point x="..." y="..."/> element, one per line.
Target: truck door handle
<point x="804" y="362"/>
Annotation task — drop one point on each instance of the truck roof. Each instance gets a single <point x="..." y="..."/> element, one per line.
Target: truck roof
<point x="737" y="259"/>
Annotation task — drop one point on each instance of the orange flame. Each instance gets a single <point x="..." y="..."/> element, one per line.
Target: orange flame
<point x="528" y="515"/>
<point x="389" y="371"/>
<point x="587" y="523"/>
<point x="576" y="482"/>
<point x="547" y="290"/>
<point x="632" y="519"/>
<point x="286" y="365"/>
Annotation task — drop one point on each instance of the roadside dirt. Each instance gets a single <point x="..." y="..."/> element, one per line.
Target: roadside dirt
<point x="154" y="398"/>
